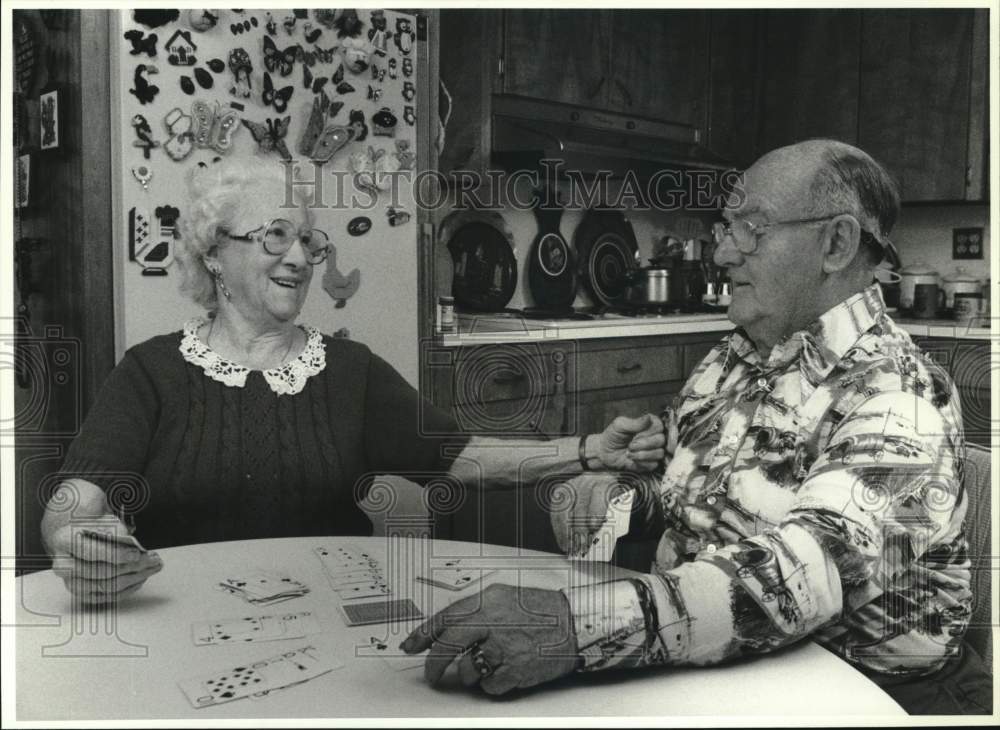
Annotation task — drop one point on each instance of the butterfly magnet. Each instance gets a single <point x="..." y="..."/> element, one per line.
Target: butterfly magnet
<point x="213" y="127"/>
<point x="270" y="136"/>
<point x="278" y="98"/>
<point x="277" y="60"/>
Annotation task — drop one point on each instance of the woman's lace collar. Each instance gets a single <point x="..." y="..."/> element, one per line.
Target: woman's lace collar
<point x="289" y="379"/>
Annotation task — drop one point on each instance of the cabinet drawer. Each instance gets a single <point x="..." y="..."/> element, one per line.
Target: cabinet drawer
<point x="509" y="372"/>
<point x="526" y="418"/>
<point x="599" y="369"/>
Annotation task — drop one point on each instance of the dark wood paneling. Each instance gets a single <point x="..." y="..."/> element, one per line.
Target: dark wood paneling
<point x="558" y="55"/>
<point x="811" y="76"/>
<point x="71" y="310"/>
<point x="915" y="96"/>
<point x="468" y="64"/>
<point x="659" y="64"/>
<point x="735" y="80"/>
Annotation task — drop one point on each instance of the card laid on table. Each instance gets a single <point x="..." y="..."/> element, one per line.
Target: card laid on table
<point x="454" y="575"/>
<point x="616" y="525"/>
<point x="255" y="628"/>
<point x="275" y="672"/>
<point x="391" y="655"/>
<point x="263" y="587"/>
<point x="379" y="612"/>
<point x="362" y="590"/>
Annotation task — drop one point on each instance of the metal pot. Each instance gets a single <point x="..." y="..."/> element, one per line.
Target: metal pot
<point x="910" y="277"/>
<point x="648" y="286"/>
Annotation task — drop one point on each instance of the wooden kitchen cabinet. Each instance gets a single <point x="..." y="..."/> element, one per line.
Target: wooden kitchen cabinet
<point x="658" y="65"/>
<point x="810" y="76"/>
<point x="735" y="83"/>
<point x="547" y="390"/>
<point x="971" y="367"/>
<point x="557" y="55"/>
<point x="917" y="100"/>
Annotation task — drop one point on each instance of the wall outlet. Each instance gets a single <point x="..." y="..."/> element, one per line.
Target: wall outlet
<point x="966" y="243"/>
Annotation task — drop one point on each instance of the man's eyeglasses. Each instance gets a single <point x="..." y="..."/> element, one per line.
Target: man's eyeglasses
<point x="278" y="235"/>
<point x="746" y="234"/>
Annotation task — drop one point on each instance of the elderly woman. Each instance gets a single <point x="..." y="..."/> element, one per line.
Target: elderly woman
<point x="246" y="424"/>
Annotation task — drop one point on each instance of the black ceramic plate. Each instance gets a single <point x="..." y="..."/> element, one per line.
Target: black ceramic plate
<point x="485" y="267"/>
<point x="606" y="251"/>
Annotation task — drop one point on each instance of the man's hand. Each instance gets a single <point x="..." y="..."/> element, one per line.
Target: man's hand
<point x="580" y="504"/>
<point x="504" y="637"/>
<point x="99" y="570"/>
<point x="632" y="444"/>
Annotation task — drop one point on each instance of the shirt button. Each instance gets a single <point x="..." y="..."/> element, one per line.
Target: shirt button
<point x="711" y="547"/>
<point x="711" y="500"/>
<point x="762" y="382"/>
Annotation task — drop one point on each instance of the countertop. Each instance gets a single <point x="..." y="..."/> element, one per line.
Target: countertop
<point x="489" y="329"/>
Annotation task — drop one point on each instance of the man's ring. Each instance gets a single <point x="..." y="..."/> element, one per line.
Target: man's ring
<point x="480" y="662"/>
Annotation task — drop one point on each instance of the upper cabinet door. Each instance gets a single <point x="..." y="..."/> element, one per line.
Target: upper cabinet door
<point x="915" y="98"/>
<point x="659" y="64"/>
<point x="558" y="55"/>
<point x="810" y="76"/>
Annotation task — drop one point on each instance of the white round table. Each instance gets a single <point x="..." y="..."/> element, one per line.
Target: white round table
<point x="126" y="664"/>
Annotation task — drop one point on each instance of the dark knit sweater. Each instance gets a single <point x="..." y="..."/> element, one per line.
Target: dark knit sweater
<point x="195" y="460"/>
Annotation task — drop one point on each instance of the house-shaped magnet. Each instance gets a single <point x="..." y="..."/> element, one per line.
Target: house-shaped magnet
<point x="180" y="49"/>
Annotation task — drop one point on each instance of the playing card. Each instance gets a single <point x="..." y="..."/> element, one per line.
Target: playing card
<point x="379" y="612"/>
<point x="255" y="628"/>
<point x="281" y="670"/>
<point x="454" y="575"/>
<point x="360" y="576"/>
<point x="362" y="590"/>
<point x="616" y="525"/>
<point x="393" y="656"/>
<point x="264" y="588"/>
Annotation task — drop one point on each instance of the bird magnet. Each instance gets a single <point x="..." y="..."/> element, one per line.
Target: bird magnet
<point x="144" y="135"/>
<point x="337" y="285"/>
<point x="144" y="91"/>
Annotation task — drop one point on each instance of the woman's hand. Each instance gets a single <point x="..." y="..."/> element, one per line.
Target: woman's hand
<point x="91" y="549"/>
<point x="632" y="444"/>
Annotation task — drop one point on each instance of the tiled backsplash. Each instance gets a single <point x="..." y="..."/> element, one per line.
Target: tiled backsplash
<point x="923" y="235"/>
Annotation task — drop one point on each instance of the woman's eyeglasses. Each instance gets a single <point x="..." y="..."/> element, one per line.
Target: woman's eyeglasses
<point x="278" y="235"/>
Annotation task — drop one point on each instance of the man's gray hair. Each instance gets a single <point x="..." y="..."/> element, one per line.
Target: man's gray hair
<point x="850" y="180"/>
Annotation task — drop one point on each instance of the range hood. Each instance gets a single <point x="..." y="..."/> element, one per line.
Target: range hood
<point x="588" y="140"/>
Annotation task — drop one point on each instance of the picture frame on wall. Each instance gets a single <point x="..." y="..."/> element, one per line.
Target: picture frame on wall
<point x="22" y="181"/>
<point x="48" y="104"/>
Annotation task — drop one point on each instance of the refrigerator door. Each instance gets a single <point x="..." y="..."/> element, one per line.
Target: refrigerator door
<point x="229" y="84"/>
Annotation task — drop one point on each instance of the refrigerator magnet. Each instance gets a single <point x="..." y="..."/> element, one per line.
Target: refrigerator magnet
<point x="180" y="49"/>
<point x="404" y="35"/>
<point x="359" y="226"/>
<point x="144" y="91"/>
<point x="407" y="67"/>
<point x="409" y="91"/>
<point x="339" y="287"/>
<point x="143" y="175"/>
<point x="202" y="20"/>
<point x="181" y="142"/>
<point x="144" y="135"/>
<point x="239" y="64"/>
<point x="396" y="216"/>
<point x="141" y="43"/>
<point x="384" y="123"/>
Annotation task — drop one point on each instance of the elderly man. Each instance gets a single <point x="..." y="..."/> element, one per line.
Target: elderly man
<point x="812" y="486"/>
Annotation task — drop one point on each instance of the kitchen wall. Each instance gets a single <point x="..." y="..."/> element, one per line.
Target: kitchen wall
<point x="649" y="225"/>
<point x="923" y="235"/>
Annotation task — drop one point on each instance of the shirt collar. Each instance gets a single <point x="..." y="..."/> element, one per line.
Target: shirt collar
<point x="821" y="344"/>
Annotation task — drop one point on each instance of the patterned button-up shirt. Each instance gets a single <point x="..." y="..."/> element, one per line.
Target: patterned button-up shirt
<point x="814" y="493"/>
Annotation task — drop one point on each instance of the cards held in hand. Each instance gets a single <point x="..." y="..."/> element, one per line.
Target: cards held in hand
<point x="616" y="525"/>
<point x="454" y="575"/>
<point x="353" y="573"/>
<point x="263" y="588"/>
<point x="257" y="678"/>
<point x="255" y="628"/>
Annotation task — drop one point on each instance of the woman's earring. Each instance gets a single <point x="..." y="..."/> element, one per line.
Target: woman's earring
<point x="217" y="273"/>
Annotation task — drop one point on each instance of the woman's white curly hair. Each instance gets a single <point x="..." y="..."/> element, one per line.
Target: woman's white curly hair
<point x="214" y="194"/>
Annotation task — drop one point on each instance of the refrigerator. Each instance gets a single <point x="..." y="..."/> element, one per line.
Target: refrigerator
<point x="339" y="90"/>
